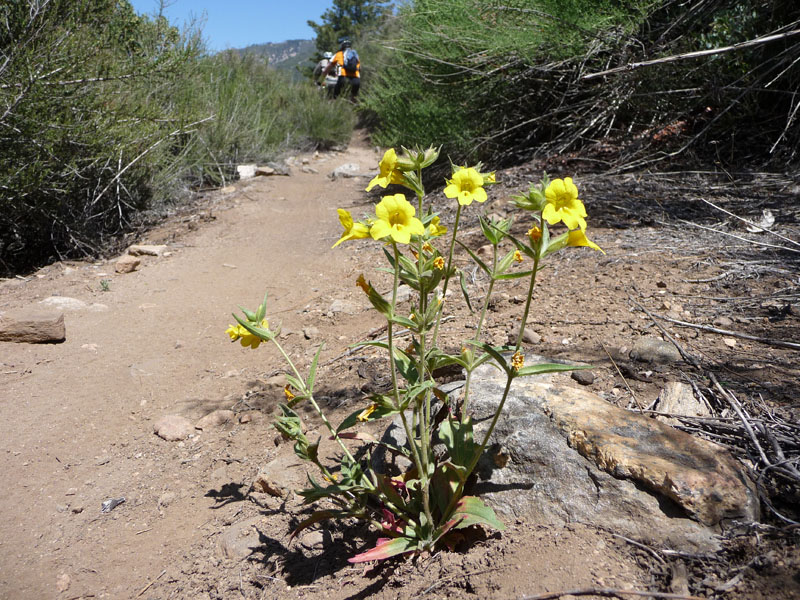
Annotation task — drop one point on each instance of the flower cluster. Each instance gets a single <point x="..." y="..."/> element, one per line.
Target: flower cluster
<point x="422" y="508"/>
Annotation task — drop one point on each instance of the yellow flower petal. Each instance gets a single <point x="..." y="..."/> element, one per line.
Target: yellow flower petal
<point x="578" y="238"/>
<point x="466" y="185"/>
<point x="396" y="220"/>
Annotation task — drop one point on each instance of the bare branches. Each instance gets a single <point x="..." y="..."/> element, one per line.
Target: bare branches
<point x="697" y="54"/>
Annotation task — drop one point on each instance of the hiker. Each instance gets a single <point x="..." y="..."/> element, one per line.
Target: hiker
<point x="331" y="78"/>
<point x="349" y="65"/>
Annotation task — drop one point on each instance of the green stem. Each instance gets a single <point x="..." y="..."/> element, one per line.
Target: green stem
<point x="314" y="403"/>
<point x="528" y="301"/>
<point x="447" y="277"/>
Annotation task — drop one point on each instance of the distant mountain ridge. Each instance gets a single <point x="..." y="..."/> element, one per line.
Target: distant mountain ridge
<point x="284" y="55"/>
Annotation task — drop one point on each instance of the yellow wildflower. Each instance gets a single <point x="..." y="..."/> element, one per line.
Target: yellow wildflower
<point x="388" y="171"/>
<point x="517" y="361"/>
<point x="438" y="262"/>
<point x="578" y="238"/>
<point x="287" y="391"/>
<point x="363" y="416"/>
<point x="535" y="234"/>
<point x="352" y="231"/>
<point x="490" y="178"/>
<point x="238" y="332"/>
<point x="466" y="185"/>
<point x="396" y="220"/>
<point x="435" y="228"/>
<point x="517" y="256"/>
<point x="415" y="254"/>
<point x="563" y="204"/>
<point x="426" y="247"/>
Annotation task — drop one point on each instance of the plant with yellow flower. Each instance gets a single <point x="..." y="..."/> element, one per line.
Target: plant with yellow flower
<point x="431" y="504"/>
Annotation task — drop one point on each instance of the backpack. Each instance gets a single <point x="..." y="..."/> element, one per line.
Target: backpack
<point x="350" y="60"/>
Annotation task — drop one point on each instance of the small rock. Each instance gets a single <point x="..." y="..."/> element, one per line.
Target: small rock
<point x="722" y="321"/>
<point x="63" y="582"/>
<point x="228" y="189"/>
<point x="127" y="264"/>
<point x="64" y="303"/>
<point x="677" y="398"/>
<point x="584" y="377"/>
<point x="729" y="342"/>
<point x="313" y="539"/>
<point x="141" y="249"/>
<point x="265" y="171"/>
<point x="309" y="170"/>
<point x="310" y="332"/>
<point x="62" y="507"/>
<point x="245" y="418"/>
<point x="173" y="428"/>
<point x="531" y="337"/>
<point x="485" y="252"/>
<point x="345" y="170"/>
<point x="214" y="419"/>
<point x="77" y="509"/>
<point x="167" y="498"/>
<point x="246" y="171"/>
<point x="241" y="539"/>
<point x="265" y="485"/>
<point x="33" y="328"/>
<point x="654" y="350"/>
<point x="343" y="306"/>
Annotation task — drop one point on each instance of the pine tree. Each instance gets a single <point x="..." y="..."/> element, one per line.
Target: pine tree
<point x="351" y="19"/>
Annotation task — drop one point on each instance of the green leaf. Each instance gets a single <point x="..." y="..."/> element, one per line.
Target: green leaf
<point x="320" y="515"/>
<point x="495" y="354"/>
<point x="407" y="323"/>
<point x="464" y="289"/>
<point x="516" y="275"/>
<point x="504" y="263"/>
<point x="262" y="309"/>
<point x="385" y="548"/>
<point x="312" y="372"/>
<point x="541" y="368"/>
<point x="264" y="334"/>
<point x="472" y="511"/>
<point x="251" y="316"/>
<point x="457" y="437"/>
<point x="474" y="256"/>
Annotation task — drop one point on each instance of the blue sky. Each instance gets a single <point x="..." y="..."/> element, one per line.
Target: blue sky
<point x="239" y="23"/>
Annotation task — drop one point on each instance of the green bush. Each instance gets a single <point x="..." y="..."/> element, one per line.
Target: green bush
<point x="105" y="115"/>
<point x="503" y="81"/>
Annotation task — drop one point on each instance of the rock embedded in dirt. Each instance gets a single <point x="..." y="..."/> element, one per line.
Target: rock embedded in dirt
<point x="246" y="171"/>
<point x="167" y="498"/>
<point x="311" y="332"/>
<point x="556" y="436"/>
<point x="654" y="350"/>
<point x="531" y="337"/>
<point x="146" y="250"/>
<point x="583" y="377"/>
<point x="677" y="398"/>
<point x="127" y="264"/>
<point x="33" y="327"/>
<point x="346" y="170"/>
<point x="241" y="539"/>
<point x="214" y="419"/>
<point x="344" y="306"/>
<point x="173" y="428"/>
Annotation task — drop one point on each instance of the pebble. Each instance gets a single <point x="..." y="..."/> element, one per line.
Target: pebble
<point x="583" y="377"/>
<point x="173" y="428"/>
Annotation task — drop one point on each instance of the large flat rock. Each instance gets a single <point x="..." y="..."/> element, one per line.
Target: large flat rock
<point x="572" y="456"/>
<point x="33" y="327"/>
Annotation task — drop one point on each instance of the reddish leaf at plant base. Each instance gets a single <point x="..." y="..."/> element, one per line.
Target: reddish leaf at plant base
<point x="385" y="548"/>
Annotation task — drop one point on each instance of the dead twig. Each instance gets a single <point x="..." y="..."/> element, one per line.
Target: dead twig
<point x="625" y="381"/>
<point x="147" y="587"/>
<point x="744" y="336"/>
<point x="783" y="237"/>
<point x="609" y="592"/>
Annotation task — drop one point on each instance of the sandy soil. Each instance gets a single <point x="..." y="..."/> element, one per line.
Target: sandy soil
<point x="77" y="418"/>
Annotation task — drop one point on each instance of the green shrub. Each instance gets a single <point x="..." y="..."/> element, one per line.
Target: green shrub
<point x="105" y="114"/>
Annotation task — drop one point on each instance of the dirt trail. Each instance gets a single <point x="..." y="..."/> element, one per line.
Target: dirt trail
<point x="76" y="419"/>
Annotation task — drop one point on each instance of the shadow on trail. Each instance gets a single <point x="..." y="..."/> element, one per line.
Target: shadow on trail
<point x="228" y="493"/>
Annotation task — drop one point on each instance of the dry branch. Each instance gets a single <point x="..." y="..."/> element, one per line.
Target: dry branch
<point x="697" y="54"/>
